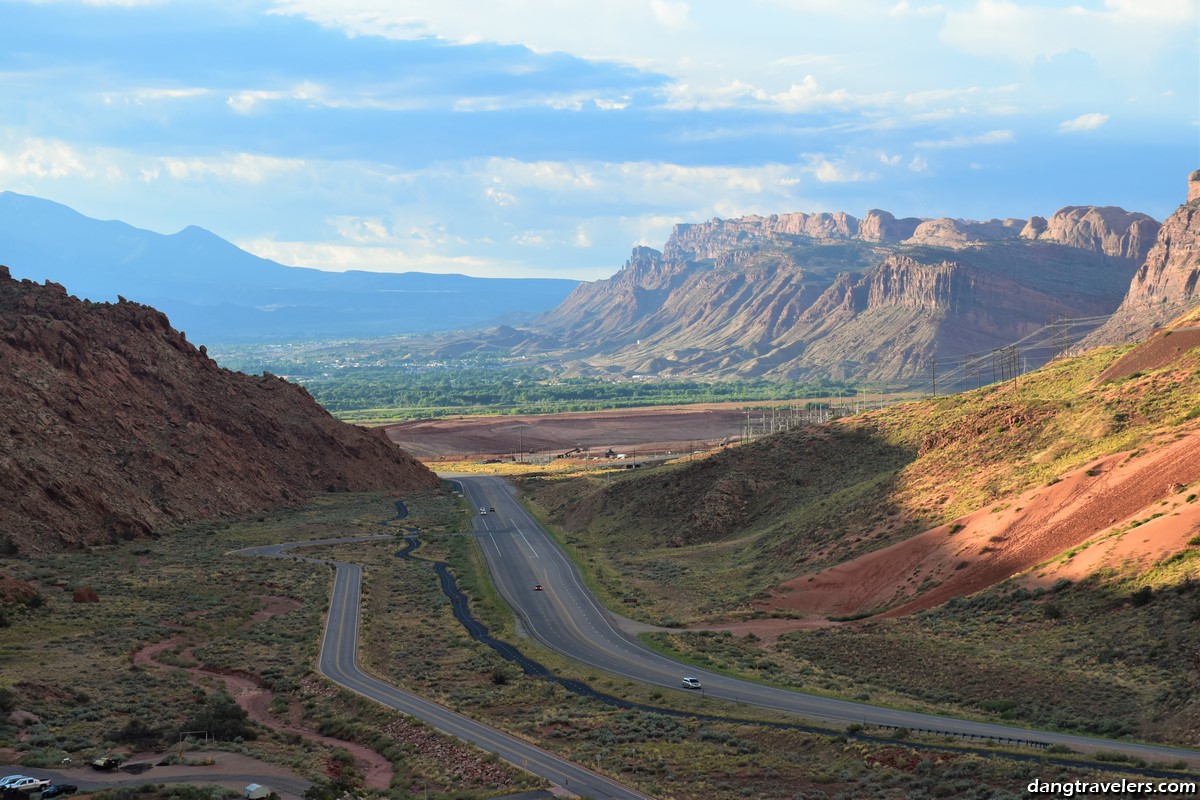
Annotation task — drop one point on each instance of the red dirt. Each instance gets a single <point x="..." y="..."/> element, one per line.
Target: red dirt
<point x="633" y="430"/>
<point x="1015" y="536"/>
<point x="1162" y="348"/>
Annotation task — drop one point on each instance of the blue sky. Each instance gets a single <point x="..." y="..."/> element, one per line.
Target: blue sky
<point x="547" y="137"/>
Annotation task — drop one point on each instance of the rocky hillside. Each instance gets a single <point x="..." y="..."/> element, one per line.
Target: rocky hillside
<point x="1166" y="283"/>
<point x="113" y="425"/>
<point x="828" y="295"/>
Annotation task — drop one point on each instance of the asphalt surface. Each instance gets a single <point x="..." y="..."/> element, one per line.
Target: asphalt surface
<point x="567" y="618"/>
<point x="338" y="661"/>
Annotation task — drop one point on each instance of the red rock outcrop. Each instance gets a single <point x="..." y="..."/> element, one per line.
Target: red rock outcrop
<point x="1166" y="283"/>
<point x="881" y="226"/>
<point x="112" y="425"/>
<point x="1105" y="229"/>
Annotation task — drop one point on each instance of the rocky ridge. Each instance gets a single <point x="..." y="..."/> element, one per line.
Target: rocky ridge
<point x="805" y="296"/>
<point x="114" y="425"/>
<point x="1166" y="283"/>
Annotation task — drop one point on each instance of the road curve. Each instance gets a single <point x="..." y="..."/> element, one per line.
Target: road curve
<point x="566" y="617"/>
<point x="338" y="661"/>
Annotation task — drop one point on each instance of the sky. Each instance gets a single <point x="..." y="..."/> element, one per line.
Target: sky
<point x="546" y="138"/>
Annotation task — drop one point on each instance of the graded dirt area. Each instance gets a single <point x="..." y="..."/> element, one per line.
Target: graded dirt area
<point x="633" y="431"/>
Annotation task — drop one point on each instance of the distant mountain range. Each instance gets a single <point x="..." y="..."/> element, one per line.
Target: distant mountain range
<point x="220" y="293"/>
<point x="804" y="296"/>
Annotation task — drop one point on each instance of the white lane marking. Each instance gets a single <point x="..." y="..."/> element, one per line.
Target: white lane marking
<point x="527" y="544"/>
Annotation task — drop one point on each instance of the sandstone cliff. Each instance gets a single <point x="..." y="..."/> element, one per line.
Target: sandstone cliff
<point x="113" y="425"/>
<point x="827" y="295"/>
<point x="1165" y="284"/>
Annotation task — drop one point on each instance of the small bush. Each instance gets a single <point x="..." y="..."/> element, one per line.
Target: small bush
<point x="1142" y="596"/>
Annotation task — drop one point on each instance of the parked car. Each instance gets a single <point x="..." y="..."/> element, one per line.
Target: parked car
<point x="28" y="785"/>
<point x="106" y="763"/>
<point x="6" y="780"/>
<point x="59" y="790"/>
<point x="691" y="683"/>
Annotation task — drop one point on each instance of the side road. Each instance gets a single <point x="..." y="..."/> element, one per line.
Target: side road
<point x="338" y="661"/>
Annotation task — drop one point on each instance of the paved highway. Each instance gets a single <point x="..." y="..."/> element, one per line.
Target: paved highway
<point x="338" y="661"/>
<point x="567" y="618"/>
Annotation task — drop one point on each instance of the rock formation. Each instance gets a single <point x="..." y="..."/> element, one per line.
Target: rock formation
<point x="827" y="295"/>
<point x="1166" y="283"/>
<point x="112" y="426"/>
<point x="1107" y="229"/>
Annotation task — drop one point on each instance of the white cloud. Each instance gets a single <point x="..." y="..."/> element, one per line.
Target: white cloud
<point x="1084" y="122"/>
<point x="991" y="137"/>
<point x="47" y="158"/>
<point x="671" y="14"/>
<point x="891" y="161"/>
<point x="142" y="96"/>
<point x="362" y="230"/>
<point x="918" y="164"/>
<point x="905" y="8"/>
<point x="1124" y="31"/>
<point x="336" y="257"/>
<point x="240" y="168"/>
<point x="805" y="96"/>
<point x="827" y="171"/>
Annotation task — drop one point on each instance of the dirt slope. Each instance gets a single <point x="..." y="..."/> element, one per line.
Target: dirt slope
<point x="1097" y="504"/>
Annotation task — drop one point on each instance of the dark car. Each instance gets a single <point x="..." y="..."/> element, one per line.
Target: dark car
<point x="60" y="790"/>
<point x="537" y="588"/>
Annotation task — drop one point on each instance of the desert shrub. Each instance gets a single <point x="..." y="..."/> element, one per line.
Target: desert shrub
<point x="1142" y="596"/>
<point x="222" y="717"/>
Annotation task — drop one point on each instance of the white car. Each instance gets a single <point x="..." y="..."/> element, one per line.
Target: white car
<point x="690" y="683"/>
<point x="28" y="785"/>
<point x="8" y="779"/>
<point x="482" y="511"/>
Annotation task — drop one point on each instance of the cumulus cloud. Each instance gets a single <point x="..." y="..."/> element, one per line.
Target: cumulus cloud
<point x="827" y="171"/>
<point x="47" y="159"/>
<point x="1084" y="122"/>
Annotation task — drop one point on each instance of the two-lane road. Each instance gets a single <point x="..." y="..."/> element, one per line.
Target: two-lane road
<point x="338" y="661"/>
<point x="566" y="617"/>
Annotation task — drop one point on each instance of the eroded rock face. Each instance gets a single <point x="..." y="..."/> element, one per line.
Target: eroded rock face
<point x="1166" y="283"/>
<point x="826" y="295"/>
<point x="112" y="425"/>
<point x="1105" y="229"/>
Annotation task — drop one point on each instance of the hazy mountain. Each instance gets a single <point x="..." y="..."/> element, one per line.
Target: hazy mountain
<point x="829" y="295"/>
<point x="220" y="293"/>
<point x="114" y="426"/>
